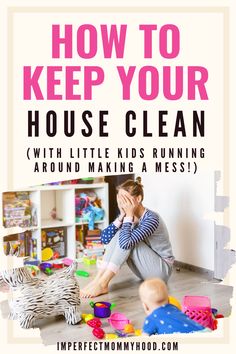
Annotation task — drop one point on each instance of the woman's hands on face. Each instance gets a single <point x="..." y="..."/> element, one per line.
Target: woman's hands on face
<point x="127" y="203"/>
<point x="122" y="212"/>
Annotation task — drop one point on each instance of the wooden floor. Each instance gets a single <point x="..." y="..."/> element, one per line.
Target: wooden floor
<point x="124" y="292"/>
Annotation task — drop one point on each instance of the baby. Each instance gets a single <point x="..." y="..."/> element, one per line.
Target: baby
<point x="163" y="317"/>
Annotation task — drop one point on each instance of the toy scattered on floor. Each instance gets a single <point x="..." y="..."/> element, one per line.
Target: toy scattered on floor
<point x="67" y="261"/>
<point x="103" y="310"/>
<point x="111" y="336"/>
<point x="118" y="320"/>
<point x="98" y="333"/>
<point x="33" y="269"/>
<point x="46" y="268"/>
<point x="41" y="298"/>
<point x="175" y="302"/>
<point x="58" y="265"/>
<point x="87" y="316"/>
<point x="138" y="332"/>
<point x="89" y="260"/>
<point x="82" y="273"/>
<point x="198" y="308"/>
<point x="35" y="262"/>
<point x="121" y="333"/>
<point x="95" y="323"/>
<point x="128" y="328"/>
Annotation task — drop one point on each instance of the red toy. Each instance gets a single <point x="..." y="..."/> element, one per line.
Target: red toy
<point x="95" y="323"/>
<point x="98" y="333"/>
<point x="58" y="265"/>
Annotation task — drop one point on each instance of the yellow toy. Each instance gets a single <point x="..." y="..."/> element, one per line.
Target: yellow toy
<point x="87" y="316"/>
<point x="111" y="336"/>
<point x="138" y="332"/>
<point x="128" y="328"/>
<point x="175" y="302"/>
<point x="89" y="261"/>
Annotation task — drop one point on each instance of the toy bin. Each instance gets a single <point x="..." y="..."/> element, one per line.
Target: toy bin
<point x="102" y="309"/>
<point x="198" y="308"/>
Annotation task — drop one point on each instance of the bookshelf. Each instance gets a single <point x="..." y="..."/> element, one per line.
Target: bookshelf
<point x="62" y="197"/>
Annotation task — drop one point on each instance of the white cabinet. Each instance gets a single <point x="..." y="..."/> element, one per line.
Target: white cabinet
<point x="62" y="197"/>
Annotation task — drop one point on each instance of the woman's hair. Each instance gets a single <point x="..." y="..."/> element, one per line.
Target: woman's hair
<point x="135" y="188"/>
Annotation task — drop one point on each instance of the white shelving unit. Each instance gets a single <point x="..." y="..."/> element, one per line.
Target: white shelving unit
<point x="62" y="197"/>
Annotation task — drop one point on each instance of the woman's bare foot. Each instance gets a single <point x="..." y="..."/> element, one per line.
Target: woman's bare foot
<point x="94" y="289"/>
<point x="98" y="286"/>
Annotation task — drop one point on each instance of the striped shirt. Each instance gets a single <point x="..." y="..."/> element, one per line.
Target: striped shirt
<point x="150" y="229"/>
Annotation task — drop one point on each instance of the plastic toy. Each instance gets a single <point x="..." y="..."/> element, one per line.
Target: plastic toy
<point x="118" y="320"/>
<point x="175" y="302"/>
<point x="82" y="273"/>
<point x="98" y="333"/>
<point x="128" y="328"/>
<point x="56" y="255"/>
<point x="45" y="265"/>
<point x="138" y="332"/>
<point x="41" y="298"/>
<point x="121" y="333"/>
<point x="67" y="261"/>
<point x="95" y="323"/>
<point x="34" y="269"/>
<point x="87" y="316"/>
<point x="219" y="316"/>
<point x="89" y="261"/>
<point x="198" y="308"/>
<point x="48" y="271"/>
<point x="102" y="312"/>
<point x="99" y="304"/>
<point x="111" y="336"/>
<point x="47" y="254"/>
<point x="32" y="263"/>
<point x="58" y="265"/>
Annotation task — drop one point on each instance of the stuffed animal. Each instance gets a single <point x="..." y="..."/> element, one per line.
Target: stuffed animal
<point x="41" y="298"/>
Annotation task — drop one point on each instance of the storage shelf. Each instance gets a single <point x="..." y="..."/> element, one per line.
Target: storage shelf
<point x="46" y="224"/>
<point x="62" y="198"/>
<point x="86" y="222"/>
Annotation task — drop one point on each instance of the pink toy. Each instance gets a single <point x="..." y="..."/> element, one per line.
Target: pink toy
<point x="94" y="323"/>
<point x="67" y="261"/>
<point x="118" y="320"/>
<point x="98" y="333"/>
<point x="198" y="308"/>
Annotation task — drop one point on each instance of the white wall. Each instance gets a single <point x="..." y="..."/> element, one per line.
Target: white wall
<point x="184" y="202"/>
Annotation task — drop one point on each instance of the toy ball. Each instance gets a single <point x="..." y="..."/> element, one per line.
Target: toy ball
<point x="138" y="332"/>
<point x="175" y="302"/>
<point x="128" y="328"/>
<point x="94" y="323"/>
<point x="111" y="336"/>
<point x="118" y="320"/>
<point x="47" y="253"/>
<point x="98" y="333"/>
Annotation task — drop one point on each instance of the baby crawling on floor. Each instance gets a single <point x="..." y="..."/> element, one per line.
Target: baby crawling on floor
<point x="162" y="317"/>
